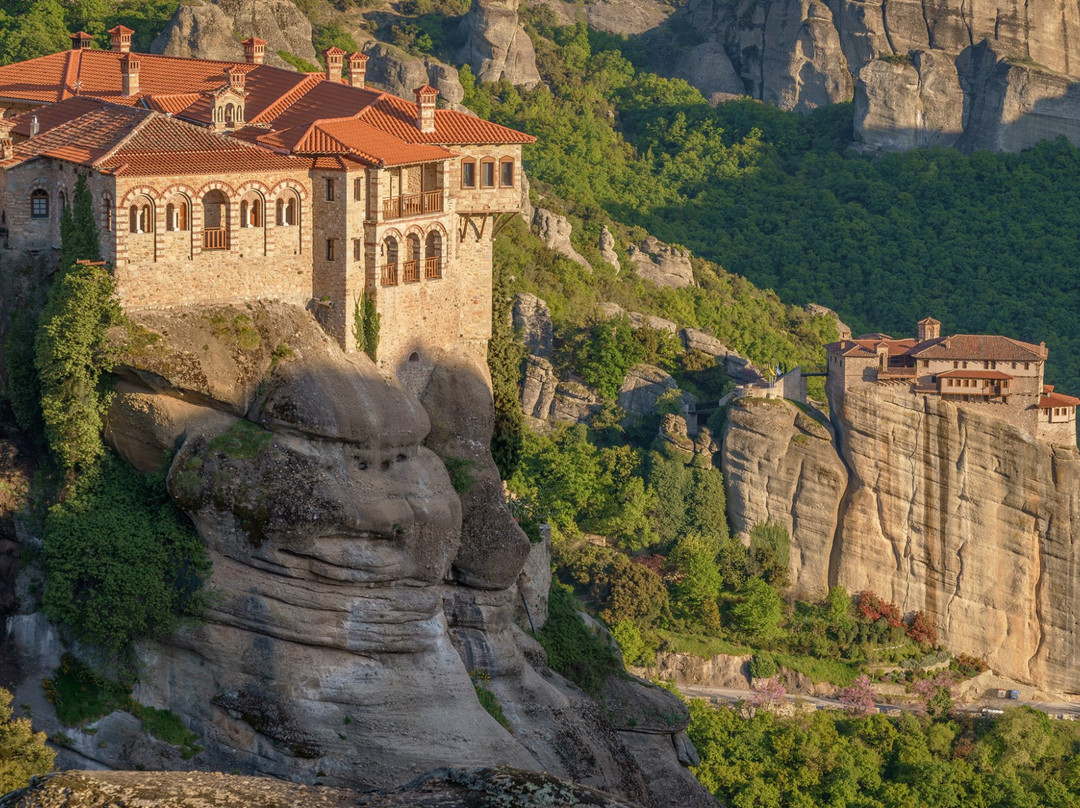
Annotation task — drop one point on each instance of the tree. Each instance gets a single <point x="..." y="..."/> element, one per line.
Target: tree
<point x="694" y="558"/>
<point x="366" y="321"/>
<point x="71" y="358"/>
<point x="23" y="752"/>
<point x="758" y="614"/>
<point x="859" y="698"/>
<point x="505" y="356"/>
<point x="608" y="352"/>
<point x="78" y="228"/>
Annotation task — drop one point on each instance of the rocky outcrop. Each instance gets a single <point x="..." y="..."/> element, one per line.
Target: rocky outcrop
<point x="780" y="466"/>
<point x="533" y="317"/>
<point x="607" y="248"/>
<point x="695" y="340"/>
<point x="661" y="263"/>
<point x="937" y="507"/>
<point x="394" y="71"/>
<point x="922" y="73"/>
<point x="643" y="387"/>
<point x="442" y="788"/>
<point x="354" y="587"/>
<point x="202" y="29"/>
<point x="546" y="398"/>
<point x="496" y="47"/>
<point x="555" y="230"/>
<point x="626" y="17"/>
<point x="843" y="331"/>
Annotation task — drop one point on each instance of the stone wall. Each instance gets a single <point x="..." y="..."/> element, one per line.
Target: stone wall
<point x="1059" y="429"/>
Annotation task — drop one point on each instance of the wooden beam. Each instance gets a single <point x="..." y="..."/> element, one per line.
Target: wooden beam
<point x="502" y="221"/>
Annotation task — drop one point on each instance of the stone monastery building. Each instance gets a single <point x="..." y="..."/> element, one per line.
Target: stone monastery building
<point x="223" y="182"/>
<point x="1000" y="376"/>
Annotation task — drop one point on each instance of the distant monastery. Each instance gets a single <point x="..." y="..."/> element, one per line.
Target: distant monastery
<point x="1000" y="376"/>
<point x="225" y="182"/>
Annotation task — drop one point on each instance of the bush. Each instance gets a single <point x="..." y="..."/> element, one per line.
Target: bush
<point x="872" y="608"/>
<point x="763" y="665"/>
<point x="758" y="614"/>
<point x="166" y="726"/>
<point x="70" y="358"/>
<point x="572" y="649"/>
<point x="921" y="630"/>
<point x="460" y="471"/>
<point x="23" y="752"/>
<point x="121" y="562"/>
<point x="79" y="694"/>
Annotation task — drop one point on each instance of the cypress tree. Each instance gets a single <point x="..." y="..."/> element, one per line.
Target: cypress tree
<point x="78" y="229"/>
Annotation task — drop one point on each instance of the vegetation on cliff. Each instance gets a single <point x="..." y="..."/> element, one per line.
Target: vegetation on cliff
<point x="23" y="752"/>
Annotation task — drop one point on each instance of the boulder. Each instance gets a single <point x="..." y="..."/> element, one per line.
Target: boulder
<point x="538" y="387"/>
<point x="201" y="29"/>
<point x="533" y="317"/>
<point x="662" y="264"/>
<point x="639" y="320"/>
<point x="695" y="340"/>
<point x="626" y="17"/>
<point x="394" y="71"/>
<point x="496" y="46"/>
<point x="643" y="387"/>
<point x="554" y="230"/>
<point x="607" y="247"/>
<point x="708" y="67"/>
<point x="575" y="402"/>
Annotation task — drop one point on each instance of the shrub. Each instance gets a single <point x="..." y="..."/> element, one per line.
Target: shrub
<point x="572" y="649"/>
<point x="872" y="608"/>
<point x="79" y="694"/>
<point x="366" y="323"/>
<point x="23" y="752"/>
<point x="921" y="630"/>
<point x="758" y="614"/>
<point x="121" y="562"/>
<point x="460" y="471"/>
<point x="70" y="357"/>
<point x="166" y="726"/>
<point x="636" y="649"/>
<point x="763" y="665"/>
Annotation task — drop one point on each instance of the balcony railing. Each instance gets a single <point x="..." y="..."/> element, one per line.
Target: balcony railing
<point x="433" y="268"/>
<point x="215" y="238"/>
<point x="413" y="204"/>
<point x="389" y="275"/>
<point x="412" y="271"/>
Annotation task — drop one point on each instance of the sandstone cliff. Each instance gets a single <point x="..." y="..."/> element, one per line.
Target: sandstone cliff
<point x="353" y="588"/>
<point x="935" y="507"/>
<point x="921" y="72"/>
<point x="496" y="46"/>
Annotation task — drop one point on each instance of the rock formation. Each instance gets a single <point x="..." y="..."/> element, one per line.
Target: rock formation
<point x="662" y="264"/>
<point x="554" y="230"/>
<point x="607" y="247"/>
<point x="394" y="71"/>
<point x="643" y="387"/>
<point x="934" y="506"/>
<point x="923" y="73"/>
<point x="202" y="29"/>
<point x="353" y="588"/>
<point x="532" y="317"/>
<point x="496" y="47"/>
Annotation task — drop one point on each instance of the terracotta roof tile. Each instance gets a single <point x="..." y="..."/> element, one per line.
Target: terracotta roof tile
<point x="53" y="115"/>
<point x="85" y="138"/>
<point x="1057" y="400"/>
<point x="979" y="347"/>
<point x="974" y="374"/>
<point x="398" y="117"/>
<point x="172" y="104"/>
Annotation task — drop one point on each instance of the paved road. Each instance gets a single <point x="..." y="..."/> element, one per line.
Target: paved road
<point x="732" y="695"/>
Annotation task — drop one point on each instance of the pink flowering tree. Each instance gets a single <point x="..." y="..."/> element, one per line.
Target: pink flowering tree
<point x="860" y="697"/>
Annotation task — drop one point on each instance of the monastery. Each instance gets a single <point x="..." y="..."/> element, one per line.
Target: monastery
<point x="224" y="182"/>
<point x="1000" y="376"/>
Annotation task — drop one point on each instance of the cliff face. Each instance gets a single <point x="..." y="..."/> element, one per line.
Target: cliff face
<point x="353" y="588"/>
<point x="946" y="511"/>
<point x="921" y="72"/>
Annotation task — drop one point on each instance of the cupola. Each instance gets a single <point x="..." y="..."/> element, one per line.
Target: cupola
<point x="120" y="37"/>
<point x="425" y="108"/>
<point x="254" y="50"/>
<point x="334" y="57"/>
<point x="227" y="102"/>
<point x="928" y="329"/>
<point x="358" y="69"/>
<point x="81" y="41"/>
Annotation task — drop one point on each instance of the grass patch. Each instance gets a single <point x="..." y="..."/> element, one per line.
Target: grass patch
<point x="243" y="441"/>
<point x="81" y="695"/>
<point x="480" y="680"/>
<point x="301" y="64"/>
<point x="833" y="671"/>
<point x="237" y="329"/>
<point x="460" y="471"/>
<point x="700" y="645"/>
<point x="166" y="726"/>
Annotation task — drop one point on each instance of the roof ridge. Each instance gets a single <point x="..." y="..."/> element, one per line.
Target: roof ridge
<point x="149" y="115"/>
<point x="285" y="101"/>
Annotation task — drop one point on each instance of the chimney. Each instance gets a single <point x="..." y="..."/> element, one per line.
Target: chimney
<point x="358" y="69"/>
<point x="7" y="145"/>
<point x="334" y="57"/>
<point x="425" y="108"/>
<point x="35" y="126"/>
<point x="235" y="78"/>
<point x="129" y="73"/>
<point x="254" y="50"/>
<point x="121" y="39"/>
<point x="81" y="41"/>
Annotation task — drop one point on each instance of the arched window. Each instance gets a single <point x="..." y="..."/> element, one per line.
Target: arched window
<point x="412" y="263"/>
<point x="288" y="208"/>
<point x="229" y="113"/>
<point x="256" y="213"/>
<point x="506" y="172"/>
<point x="468" y="173"/>
<point x="487" y="172"/>
<point x="39" y="204"/>
<point x="389" y="270"/>
<point x="414" y="357"/>
<point x="215" y="221"/>
<point x="433" y="255"/>
<point x="244" y="221"/>
<point x="63" y="201"/>
<point x="107" y="213"/>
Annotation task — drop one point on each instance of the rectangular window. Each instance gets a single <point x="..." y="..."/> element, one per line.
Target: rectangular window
<point x="468" y="174"/>
<point x="39" y="206"/>
<point x="1027" y="366"/>
<point x="329" y="189"/>
<point x="330" y="249"/>
<point x="506" y="178"/>
<point x="356" y="249"/>
<point x="487" y="174"/>
<point x="358" y="189"/>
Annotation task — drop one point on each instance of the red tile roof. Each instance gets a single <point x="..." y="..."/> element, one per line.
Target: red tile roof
<point x="1057" y="400"/>
<point x="355" y="137"/>
<point x="974" y="374"/>
<point x="979" y="347"/>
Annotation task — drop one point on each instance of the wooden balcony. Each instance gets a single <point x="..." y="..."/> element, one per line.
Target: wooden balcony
<point x="389" y="275"/>
<point x="413" y="205"/>
<point x="215" y="238"/>
<point x="433" y="268"/>
<point x="411" y="271"/>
